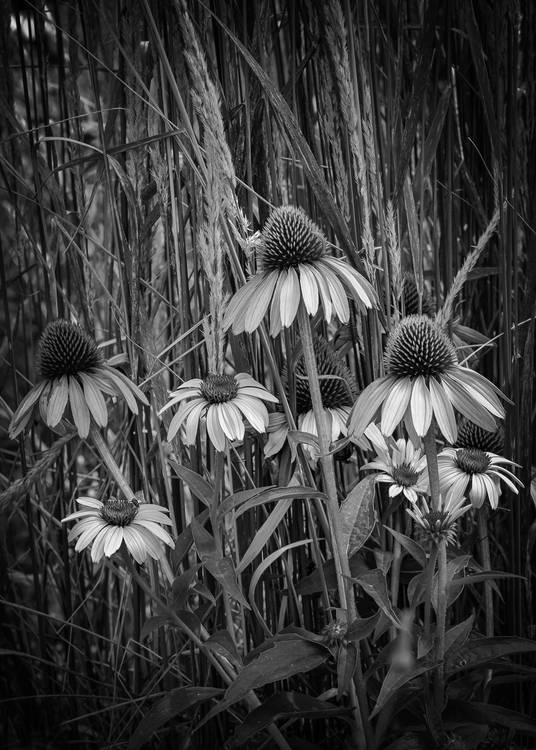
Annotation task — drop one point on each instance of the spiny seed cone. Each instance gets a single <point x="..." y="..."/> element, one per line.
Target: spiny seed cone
<point x="118" y="512"/>
<point x="289" y="237"/>
<point x="471" y="435"/>
<point x="336" y="382"/>
<point x="411" y="297"/>
<point x="417" y="346"/>
<point x="65" y="349"/>
<point x="472" y="460"/>
<point x="219" y="388"/>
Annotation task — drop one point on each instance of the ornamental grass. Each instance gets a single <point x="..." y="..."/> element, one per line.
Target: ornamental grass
<point x="268" y="314"/>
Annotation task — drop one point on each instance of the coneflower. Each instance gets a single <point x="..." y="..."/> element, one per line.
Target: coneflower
<point x="471" y="435"/>
<point x="224" y="401"/>
<point x="295" y="266"/>
<point x="439" y="525"/>
<point x="424" y="380"/>
<point x="74" y="373"/>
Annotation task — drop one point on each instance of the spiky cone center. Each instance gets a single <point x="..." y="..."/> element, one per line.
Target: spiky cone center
<point x="471" y="435"/>
<point x="333" y="376"/>
<point x="65" y="349"/>
<point x="289" y="238"/>
<point x="472" y="460"/>
<point x="405" y="476"/>
<point x="119" y="512"/>
<point x="411" y="297"/>
<point x="417" y="346"/>
<point x="335" y="631"/>
<point x="217" y="389"/>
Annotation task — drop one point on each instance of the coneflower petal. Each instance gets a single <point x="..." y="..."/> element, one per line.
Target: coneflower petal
<point x="258" y="392"/>
<point x="444" y="413"/>
<point x="153" y="528"/>
<point x="275" y="307"/>
<point x="339" y="299"/>
<point x="88" y="533"/>
<point x="480" y="389"/>
<point x="122" y="389"/>
<point x="129" y="386"/>
<point x="138" y="543"/>
<point x="466" y="405"/>
<point x="234" y="418"/>
<point x="94" y="399"/>
<point x="361" y="289"/>
<point x="151" y="545"/>
<point x="79" y="408"/>
<point x="214" y="429"/>
<point x="395" y="404"/>
<point x="421" y="406"/>
<point x="238" y="308"/>
<point x="113" y="540"/>
<point x="290" y="298"/>
<point x="263" y="297"/>
<point x="57" y="401"/>
<point x="181" y="415"/>
<point x="177" y="397"/>
<point x="368" y="403"/>
<point x="191" y="425"/>
<point x="24" y="411"/>
<point x="226" y="421"/>
<point x="324" y="292"/>
<point x="477" y="493"/>
<point x="254" y="411"/>
<point x="309" y="288"/>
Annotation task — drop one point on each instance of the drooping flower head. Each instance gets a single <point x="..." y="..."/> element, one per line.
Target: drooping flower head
<point x="477" y="471"/>
<point x="423" y="379"/>
<point x="439" y="524"/>
<point x="410" y="296"/>
<point x="74" y="373"/>
<point x="224" y="401"/>
<point x="402" y="466"/>
<point x="106" y="525"/>
<point x="294" y="266"/>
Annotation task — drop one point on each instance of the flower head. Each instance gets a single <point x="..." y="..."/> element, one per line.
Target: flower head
<point x="439" y="524"/>
<point x="224" y="400"/>
<point x="106" y="525"/>
<point x="402" y="466"/>
<point x="294" y="266"/>
<point x="424" y="380"/>
<point x="480" y="472"/>
<point x="472" y="436"/>
<point x="73" y="373"/>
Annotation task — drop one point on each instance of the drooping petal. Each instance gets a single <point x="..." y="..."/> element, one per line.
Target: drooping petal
<point x="97" y="549"/>
<point x="258" y="392"/>
<point x="421" y="406"/>
<point x="86" y="533"/>
<point x="136" y="543"/>
<point x="94" y="400"/>
<point x="395" y="404"/>
<point x="338" y="296"/>
<point x="477" y="493"/>
<point x="122" y="389"/>
<point x="231" y="421"/>
<point x="443" y="411"/>
<point x="259" y="304"/>
<point x="57" y="400"/>
<point x="466" y="405"/>
<point x="368" y="403"/>
<point x="324" y="291"/>
<point x="480" y="389"/>
<point x="177" y="396"/>
<point x="79" y="407"/>
<point x="309" y="288"/>
<point x="214" y="429"/>
<point x="153" y="547"/>
<point x="181" y="415"/>
<point x="113" y="541"/>
<point x="154" y="529"/>
<point x="254" y="411"/>
<point x="239" y="304"/>
<point x="152" y="512"/>
<point x="290" y="298"/>
<point x="23" y="414"/>
<point x="275" y="307"/>
<point x="191" y="428"/>
<point x="362" y="290"/>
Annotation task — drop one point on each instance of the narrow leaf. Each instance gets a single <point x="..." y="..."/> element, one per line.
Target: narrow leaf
<point x="358" y="517"/>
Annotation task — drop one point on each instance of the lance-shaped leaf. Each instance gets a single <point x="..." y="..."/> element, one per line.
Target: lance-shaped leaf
<point x="375" y="585"/>
<point x="358" y="517"/>
<point x="478" y="651"/>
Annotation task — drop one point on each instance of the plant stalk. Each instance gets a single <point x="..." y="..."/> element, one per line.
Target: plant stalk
<point x="442" y="584"/>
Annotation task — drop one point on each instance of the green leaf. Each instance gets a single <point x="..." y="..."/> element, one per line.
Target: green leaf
<point x="283" y="706"/>
<point x="244" y="501"/>
<point x="197" y="484"/>
<point x="478" y="651"/>
<point x="375" y="585"/>
<point x="181" y="586"/>
<point x="486" y="713"/>
<point x="222" y="644"/>
<point x="312" y="584"/>
<point x="412" y="547"/>
<point x="358" y="517"/>
<point x="397" y="678"/>
<point x="457" y="635"/>
<point x="176" y="702"/>
<point x="362" y="627"/>
<point x="264" y="533"/>
<point x="279" y="662"/>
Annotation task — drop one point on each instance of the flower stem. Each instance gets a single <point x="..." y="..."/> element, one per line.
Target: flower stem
<point x="103" y="450"/>
<point x="485" y="558"/>
<point x="431" y="460"/>
<point x="340" y="558"/>
<point x="219" y="462"/>
<point x="442" y="584"/>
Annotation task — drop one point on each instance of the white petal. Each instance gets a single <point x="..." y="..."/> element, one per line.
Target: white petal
<point x="254" y="411"/>
<point x="290" y="298"/>
<point x="260" y="302"/>
<point x="309" y="288"/>
<point x="443" y="411"/>
<point x="421" y="406"/>
<point x="94" y="399"/>
<point x="79" y="408"/>
<point x="214" y="429"/>
<point x="57" y="400"/>
<point x="22" y="415"/>
<point x="395" y="404"/>
<point x="368" y="403"/>
<point x="338" y="295"/>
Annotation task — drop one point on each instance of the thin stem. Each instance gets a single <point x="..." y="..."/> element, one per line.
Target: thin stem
<point x="431" y="459"/>
<point x="340" y="558"/>
<point x="485" y="558"/>
<point x="442" y="581"/>
<point x="218" y="493"/>
<point x="106" y="455"/>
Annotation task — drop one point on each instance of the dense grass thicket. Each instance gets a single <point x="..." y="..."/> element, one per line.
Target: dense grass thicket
<point x="268" y="276"/>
